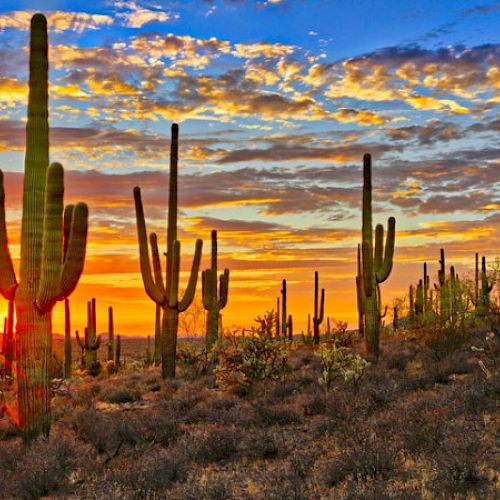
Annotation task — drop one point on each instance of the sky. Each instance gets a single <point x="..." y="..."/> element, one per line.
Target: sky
<point x="277" y="102"/>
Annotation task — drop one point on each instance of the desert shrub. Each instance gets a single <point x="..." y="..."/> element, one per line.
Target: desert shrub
<point x="157" y="426"/>
<point x="214" y="446"/>
<point x="36" y="470"/>
<point x="106" y="433"/>
<point x="340" y="336"/>
<point x="292" y="480"/>
<point x="444" y="337"/>
<point x="245" y="361"/>
<point x="193" y="361"/>
<point x="212" y="486"/>
<point x="277" y="415"/>
<point x="457" y="462"/>
<point x="339" y="361"/>
<point x="147" y="476"/>
<point x="259" y="444"/>
<point x="119" y="395"/>
<point x="313" y="404"/>
<point x="361" y="457"/>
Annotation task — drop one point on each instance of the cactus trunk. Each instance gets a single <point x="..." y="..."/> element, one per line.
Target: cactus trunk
<point x="111" y="335"/>
<point x="52" y="249"/>
<point x="283" y="310"/>
<point x="67" y="340"/>
<point x="376" y="263"/>
<point x="165" y="293"/>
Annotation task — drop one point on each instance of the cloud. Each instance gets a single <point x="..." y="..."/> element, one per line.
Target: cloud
<point x="56" y="21"/>
<point x="136" y="16"/>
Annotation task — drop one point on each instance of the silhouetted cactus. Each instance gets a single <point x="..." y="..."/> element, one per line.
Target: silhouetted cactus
<point x="360" y="295"/>
<point x="118" y="353"/>
<point x="67" y="340"/>
<point x="8" y="341"/>
<point x="278" y="313"/>
<point x="443" y="287"/>
<point x="319" y="307"/>
<point x="214" y="298"/>
<point x="165" y="293"/>
<point x="283" y="310"/>
<point x="395" y="318"/>
<point x="148" y="357"/>
<point x="376" y="262"/>
<point x="289" y="326"/>
<point x="419" y="300"/>
<point x="111" y="335"/>
<point x="92" y="341"/>
<point x="483" y="303"/>
<point x="157" y="335"/>
<point x="52" y="249"/>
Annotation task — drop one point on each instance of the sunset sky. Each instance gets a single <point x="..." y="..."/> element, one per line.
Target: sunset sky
<point x="277" y="101"/>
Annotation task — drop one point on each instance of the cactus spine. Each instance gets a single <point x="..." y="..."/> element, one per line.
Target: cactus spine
<point x="319" y="307"/>
<point x="52" y="253"/>
<point x="214" y="300"/>
<point x="111" y="335"/>
<point x="67" y="340"/>
<point x="376" y="262"/>
<point x="165" y="293"/>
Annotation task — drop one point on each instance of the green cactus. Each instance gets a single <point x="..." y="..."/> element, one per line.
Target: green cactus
<point x="319" y="308"/>
<point x="360" y="295"/>
<point x="8" y="341"/>
<point x="157" y="335"/>
<point x="376" y="262"/>
<point x="278" y="313"/>
<point x="91" y="342"/>
<point x="67" y="340"/>
<point x="148" y="357"/>
<point x="111" y="335"/>
<point x="165" y="293"/>
<point x="395" y="318"/>
<point x="486" y="288"/>
<point x="52" y="249"/>
<point x="118" y="353"/>
<point x="426" y="285"/>
<point x="214" y="300"/>
<point x="283" y="310"/>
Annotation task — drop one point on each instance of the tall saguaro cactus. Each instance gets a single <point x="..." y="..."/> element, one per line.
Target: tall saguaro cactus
<point x="284" y="317"/>
<point x="111" y="335"/>
<point x="214" y="300"/>
<point x="52" y="249"/>
<point x="165" y="292"/>
<point x="319" y="307"/>
<point x="360" y="295"/>
<point x="67" y="340"/>
<point x="377" y="262"/>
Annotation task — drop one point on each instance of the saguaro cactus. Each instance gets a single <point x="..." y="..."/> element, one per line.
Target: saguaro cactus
<point x="377" y="263"/>
<point x="283" y="310"/>
<point x="289" y="326"/>
<point x="319" y="307"/>
<point x="118" y="353"/>
<point x="360" y="295"/>
<point x="486" y="288"/>
<point x="92" y="341"/>
<point x="165" y="293"/>
<point x="67" y="340"/>
<point x="8" y="336"/>
<point x="111" y="335"/>
<point x="52" y="251"/>
<point x="214" y="300"/>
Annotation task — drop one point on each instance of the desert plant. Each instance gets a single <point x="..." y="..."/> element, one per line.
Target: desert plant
<point x="376" y="262"/>
<point x="245" y="361"/>
<point x="165" y="293"/>
<point x="52" y="253"/>
<point x="338" y="361"/>
<point x="111" y="335"/>
<point x="319" y="308"/>
<point x="67" y="340"/>
<point x="214" y="298"/>
<point x="91" y="342"/>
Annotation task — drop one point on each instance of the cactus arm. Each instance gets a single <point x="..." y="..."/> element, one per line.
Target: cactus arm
<point x="151" y="288"/>
<point x="153" y="241"/>
<point x="367" y="264"/>
<point x="79" y="341"/>
<point x="75" y="251"/>
<point x="382" y="273"/>
<point x="223" y="288"/>
<point x="206" y="288"/>
<point x="322" y="307"/>
<point x="174" y="284"/>
<point x="67" y="221"/>
<point x="51" y="261"/>
<point x="8" y="283"/>
<point x="379" y="246"/>
<point x="193" y="278"/>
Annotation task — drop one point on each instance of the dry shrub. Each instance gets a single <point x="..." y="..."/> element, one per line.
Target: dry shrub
<point x="214" y="445"/>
